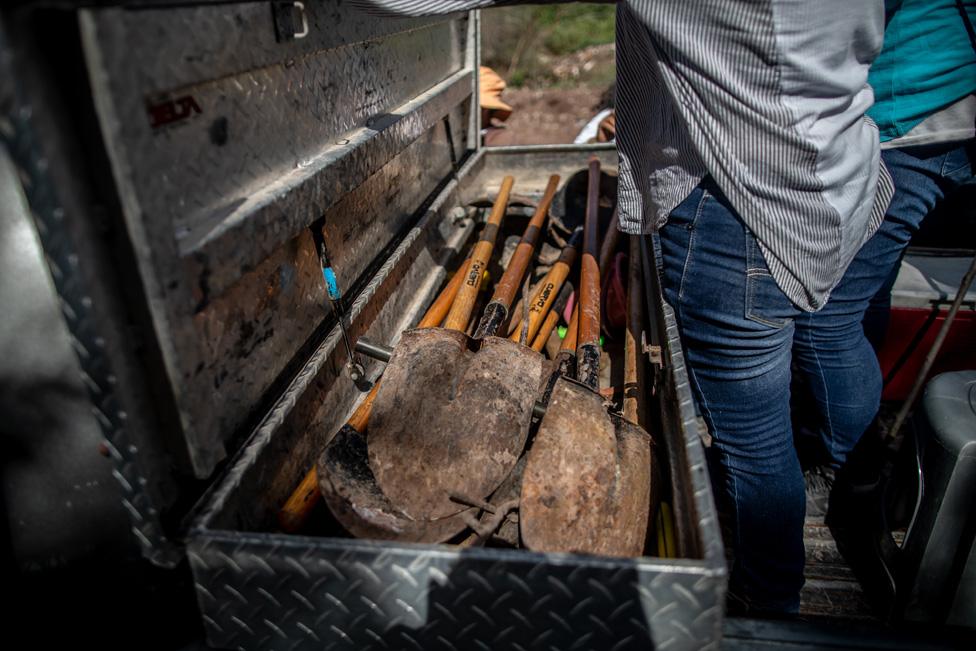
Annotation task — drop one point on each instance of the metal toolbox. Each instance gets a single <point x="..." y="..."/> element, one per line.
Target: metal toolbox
<point x="181" y="252"/>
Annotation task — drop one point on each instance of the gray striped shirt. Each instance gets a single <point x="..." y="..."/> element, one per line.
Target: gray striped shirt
<point x="766" y="96"/>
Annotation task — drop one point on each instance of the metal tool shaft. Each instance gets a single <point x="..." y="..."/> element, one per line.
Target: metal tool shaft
<point x="356" y="370"/>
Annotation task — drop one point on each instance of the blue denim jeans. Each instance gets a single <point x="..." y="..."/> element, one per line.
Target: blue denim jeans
<point x="742" y="336"/>
<point x="924" y="176"/>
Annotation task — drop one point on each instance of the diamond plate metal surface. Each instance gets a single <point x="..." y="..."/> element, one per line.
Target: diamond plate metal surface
<point x="68" y="233"/>
<point x="226" y="144"/>
<point x="271" y="592"/>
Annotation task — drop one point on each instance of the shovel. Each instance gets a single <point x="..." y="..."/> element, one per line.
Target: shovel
<point x="302" y="501"/>
<point x="347" y="482"/>
<point x="343" y="476"/>
<point x="585" y="473"/>
<point x="496" y="313"/>
<point x="451" y="417"/>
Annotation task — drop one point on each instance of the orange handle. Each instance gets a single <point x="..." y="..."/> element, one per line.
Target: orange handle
<point x="545" y="331"/>
<point x="460" y="314"/>
<point x="546" y="293"/>
<point x="298" y="506"/>
<point x="589" y="294"/>
<point x="569" y="341"/>
<point x="588" y="342"/>
<point x="439" y="308"/>
<point x="300" y="503"/>
<point x="508" y="285"/>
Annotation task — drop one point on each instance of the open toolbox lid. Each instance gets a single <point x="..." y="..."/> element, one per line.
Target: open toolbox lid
<point x="173" y="189"/>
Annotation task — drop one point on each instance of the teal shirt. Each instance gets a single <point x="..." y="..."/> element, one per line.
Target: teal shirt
<point x="928" y="62"/>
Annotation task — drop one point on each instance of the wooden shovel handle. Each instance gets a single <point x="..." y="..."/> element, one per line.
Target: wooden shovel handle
<point x="572" y="332"/>
<point x="588" y="344"/>
<point x="546" y="293"/>
<point x="609" y="244"/>
<point x="298" y="506"/>
<point x="545" y="331"/>
<point x="633" y="404"/>
<point x="460" y="314"/>
<point x="442" y="304"/>
<point x="512" y="278"/>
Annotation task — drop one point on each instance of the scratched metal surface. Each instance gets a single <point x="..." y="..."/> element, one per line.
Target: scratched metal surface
<point x="226" y="144"/>
<point x="262" y="590"/>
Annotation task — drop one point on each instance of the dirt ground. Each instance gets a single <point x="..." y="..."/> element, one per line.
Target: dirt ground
<point x="548" y="116"/>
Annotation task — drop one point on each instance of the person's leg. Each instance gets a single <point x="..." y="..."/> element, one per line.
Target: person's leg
<point x="830" y="346"/>
<point x="736" y="329"/>
<point x="922" y="177"/>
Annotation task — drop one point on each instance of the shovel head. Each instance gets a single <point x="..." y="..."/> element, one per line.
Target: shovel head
<point x="586" y="486"/>
<point x="450" y="421"/>
<point x="349" y="488"/>
<point x="632" y="497"/>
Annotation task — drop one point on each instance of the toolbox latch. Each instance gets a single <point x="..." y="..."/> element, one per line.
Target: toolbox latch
<point x="290" y="20"/>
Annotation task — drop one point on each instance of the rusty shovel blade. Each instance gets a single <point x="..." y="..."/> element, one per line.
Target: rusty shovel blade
<point x="570" y="474"/>
<point x="350" y="491"/>
<point x="586" y="486"/>
<point x="450" y="419"/>
<point x="631" y="507"/>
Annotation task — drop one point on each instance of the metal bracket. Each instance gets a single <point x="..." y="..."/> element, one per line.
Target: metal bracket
<point x="287" y="14"/>
<point x="652" y="351"/>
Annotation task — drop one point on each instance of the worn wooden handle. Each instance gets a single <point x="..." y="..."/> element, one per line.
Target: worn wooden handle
<point x="632" y="407"/>
<point x="457" y="318"/>
<point x="542" y="300"/>
<point x="442" y="304"/>
<point x="507" y="287"/>
<point x="588" y="343"/>
<point x="609" y="243"/>
<point x="300" y="503"/>
<point x="545" y="331"/>
<point x="546" y="291"/>
<point x="298" y="506"/>
<point x="589" y="294"/>
<point x="569" y="341"/>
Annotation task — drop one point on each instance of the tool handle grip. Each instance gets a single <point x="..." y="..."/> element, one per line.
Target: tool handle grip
<point x="457" y="318"/>
<point x="545" y="331"/>
<point x="292" y="516"/>
<point x="442" y="304"/>
<point x="506" y="288"/>
<point x="588" y="344"/>
<point x="544" y="296"/>
<point x="572" y="332"/>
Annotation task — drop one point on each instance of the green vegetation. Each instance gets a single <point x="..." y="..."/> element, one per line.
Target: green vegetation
<point x="523" y="43"/>
<point x="572" y="27"/>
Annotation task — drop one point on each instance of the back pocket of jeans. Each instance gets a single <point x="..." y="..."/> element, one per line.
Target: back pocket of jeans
<point x="765" y="301"/>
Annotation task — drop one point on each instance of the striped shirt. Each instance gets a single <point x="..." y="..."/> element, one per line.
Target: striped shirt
<point x="766" y="96"/>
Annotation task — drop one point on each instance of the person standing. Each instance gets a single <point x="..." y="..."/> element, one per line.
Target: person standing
<point x="925" y="107"/>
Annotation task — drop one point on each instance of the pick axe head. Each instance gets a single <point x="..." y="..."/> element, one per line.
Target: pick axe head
<point x="450" y="419"/>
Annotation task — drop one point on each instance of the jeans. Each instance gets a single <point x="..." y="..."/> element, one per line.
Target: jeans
<point x="923" y="177"/>
<point x="742" y="336"/>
